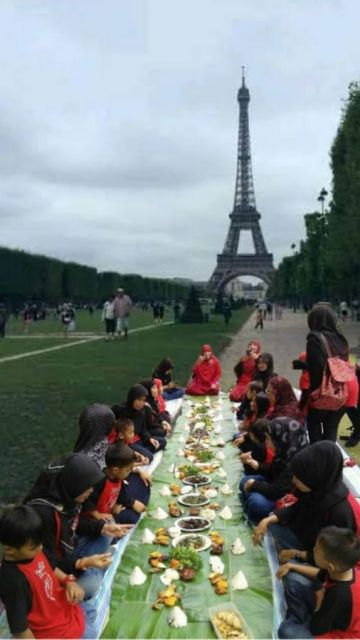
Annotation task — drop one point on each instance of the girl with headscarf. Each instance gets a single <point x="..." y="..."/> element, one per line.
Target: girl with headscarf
<point x="283" y="399"/>
<point x="206" y="374"/>
<point x="264" y="369"/>
<point x="163" y="371"/>
<point x="244" y="370"/>
<point x="258" y="493"/>
<point x="322" y="500"/>
<point x="95" y="425"/>
<point x="134" y="408"/>
<point x="322" y="322"/>
<point x="156" y="422"/>
<point x="58" y="495"/>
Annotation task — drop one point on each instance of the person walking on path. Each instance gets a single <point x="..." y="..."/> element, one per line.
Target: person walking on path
<point x="122" y="308"/>
<point x="108" y="315"/>
<point x="259" y="319"/>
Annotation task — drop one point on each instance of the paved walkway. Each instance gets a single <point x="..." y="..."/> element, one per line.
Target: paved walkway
<point x="285" y="339"/>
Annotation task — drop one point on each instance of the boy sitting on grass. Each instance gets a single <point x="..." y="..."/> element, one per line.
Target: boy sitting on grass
<point x="37" y="604"/>
<point x="112" y="497"/>
<point x="328" y="607"/>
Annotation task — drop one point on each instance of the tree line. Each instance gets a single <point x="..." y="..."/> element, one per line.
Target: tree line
<point x="327" y="264"/>
<point x="25" y="276"/>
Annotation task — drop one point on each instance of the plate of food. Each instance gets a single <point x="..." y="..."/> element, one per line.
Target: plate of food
<point x="197" y="542"/>
<point x="228" y="622"/>
<point x="197" y="446"/>
<point x="196" y="480"/>
<point x="192" y="523"/>
<point x="193" y="500"/>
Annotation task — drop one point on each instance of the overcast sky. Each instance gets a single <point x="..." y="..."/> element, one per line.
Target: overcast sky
<point x="119" y="118"/>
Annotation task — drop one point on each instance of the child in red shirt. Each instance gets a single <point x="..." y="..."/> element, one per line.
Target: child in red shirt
<point x="37" y="604"/>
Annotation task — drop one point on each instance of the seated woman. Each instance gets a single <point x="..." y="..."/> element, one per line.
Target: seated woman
<point x="244" y="410"/>
<point x="259" y="408"/>
<point x="255" y="447"/>
<point x="156" y="422"/>
<point x="244" y="371"/>
<point x="258" y="493"/>
<point x="322" y="500"/>
<point x="264" y="370"/>
<point x="206" y="374"/>
<point x="134" y="408"/>
<point x="160" y="400"/>
<point x="73" y="546"/>
<point x="163" y="371"/>
<point x="95" y="425"/>
<point x="283" y="401"/>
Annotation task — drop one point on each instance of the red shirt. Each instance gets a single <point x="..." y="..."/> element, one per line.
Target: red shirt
<point x="51" y="615"/>
<point x="109" y="495"/>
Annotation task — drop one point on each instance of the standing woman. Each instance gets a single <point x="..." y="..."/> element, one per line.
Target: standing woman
<point x="323" y="424"/>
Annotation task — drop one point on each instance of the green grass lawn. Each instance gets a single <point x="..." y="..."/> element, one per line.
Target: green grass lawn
<point x="9" y="347"/>
<point x="84" y="322"/>
<point x="43" y="395"/>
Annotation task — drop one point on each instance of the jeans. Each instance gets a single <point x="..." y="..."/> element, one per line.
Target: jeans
<point x="300" y="601"/>
<point x="136" y="490"/>
<point x="256" y="505"/>
<point x="91" y="579"/>
<point x="173" y="395"/>
<point x="90" y="631"/>
<point x="285" y="538"/>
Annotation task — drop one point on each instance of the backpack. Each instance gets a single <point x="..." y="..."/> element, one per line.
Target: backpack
<point x="333" y="391"/>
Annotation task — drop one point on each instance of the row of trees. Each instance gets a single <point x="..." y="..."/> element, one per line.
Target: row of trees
<point x="327" y="264"/>
<point x="24" y="276"/>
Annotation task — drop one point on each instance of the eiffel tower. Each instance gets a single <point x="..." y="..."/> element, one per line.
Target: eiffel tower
<point x="244" y="216"/>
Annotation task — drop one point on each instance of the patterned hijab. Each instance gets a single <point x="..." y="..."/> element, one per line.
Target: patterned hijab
<point x="95" y="424"/>
<point x="289" y="437"/>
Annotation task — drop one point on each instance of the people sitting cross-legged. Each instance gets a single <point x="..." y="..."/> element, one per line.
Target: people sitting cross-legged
<point x="164" y="371"/>
<point x="73" y="545"/>
<point x="258" y="493"/>
<point x="39" y="603"/>
<point x="157" y="422"/>
<point x="244" y="371"/>
<point x="327" y="605"/>
<point x="322" y="500"/>
<point x="134" y="408"/>
<point x="112" y="498"/>
<point x="206" y="374"/>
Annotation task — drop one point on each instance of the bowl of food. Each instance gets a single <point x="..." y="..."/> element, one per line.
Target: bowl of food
<point x="196" y="479"/>
<point x="192" y="523"/>
<point x="228" y="622"/>
<point x="193" y="500"/>
<point x="196" y="542"/>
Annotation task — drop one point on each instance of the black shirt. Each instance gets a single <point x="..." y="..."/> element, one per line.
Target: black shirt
<point x="337" y="605"/>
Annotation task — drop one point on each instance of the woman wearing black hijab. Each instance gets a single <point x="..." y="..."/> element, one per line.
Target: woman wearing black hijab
<point x="322" y="321"/>
<point x="134" y="408"/>
<point x="264" y="369"/>
<point x="58" y="495"/>
<point x="163" y="372"/>
<point x="323" y="500"/>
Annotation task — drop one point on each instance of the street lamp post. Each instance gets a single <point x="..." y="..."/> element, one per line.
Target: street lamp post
<point x="321" y="198"/>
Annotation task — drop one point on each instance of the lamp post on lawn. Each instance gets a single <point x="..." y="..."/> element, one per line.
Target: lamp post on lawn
<point x="321" y="198"/>
<point x="294" y="296"/>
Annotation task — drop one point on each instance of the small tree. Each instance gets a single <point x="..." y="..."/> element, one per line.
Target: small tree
<point x="192" y="312"/>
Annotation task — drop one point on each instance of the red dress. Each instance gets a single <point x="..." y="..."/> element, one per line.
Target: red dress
<point x="204" y="375"/>
<point x="239" y="389"/>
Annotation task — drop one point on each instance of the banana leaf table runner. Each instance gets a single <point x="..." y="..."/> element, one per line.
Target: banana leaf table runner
<point x="131" y="614"/>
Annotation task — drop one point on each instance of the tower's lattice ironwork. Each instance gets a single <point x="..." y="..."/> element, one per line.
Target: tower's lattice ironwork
<point x="244" y="216"/>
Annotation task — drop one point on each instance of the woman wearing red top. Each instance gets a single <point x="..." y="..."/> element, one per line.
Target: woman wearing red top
<point x="244" y="370"/>
<point x="206" y="374"/>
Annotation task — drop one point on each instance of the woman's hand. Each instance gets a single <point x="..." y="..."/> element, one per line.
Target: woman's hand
<point x="99" y="560"/>
<point x="145" y="477"/>
<point x="166" y="426"/>
<point x="155" y="443"/>
<point x="238" y="441"/>
<point x="138" y="506"/>
<point x="116" y="530"/>
<point x="248" y="485"/>
<point x="259" y="532"/>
